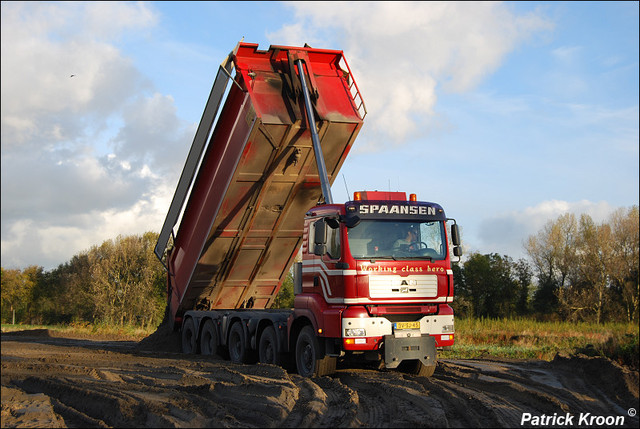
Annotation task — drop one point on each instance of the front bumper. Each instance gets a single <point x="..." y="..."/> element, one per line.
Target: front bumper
<point x="376" y="329"/>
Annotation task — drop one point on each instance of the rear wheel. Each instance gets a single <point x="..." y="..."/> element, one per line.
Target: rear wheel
<point x="237" y="345"/>
<point x="268" y="348"/>
<point x="209" y="338"/>
<point x="189" y="336"/>
<point x="415" y="367"/>
<point x="308" y="356"/>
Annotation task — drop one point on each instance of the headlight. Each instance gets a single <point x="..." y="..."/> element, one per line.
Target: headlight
<point x="355" y="332"/>
<point x="447" y="328"/>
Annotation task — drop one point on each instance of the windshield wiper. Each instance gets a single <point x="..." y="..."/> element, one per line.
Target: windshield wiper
<point x="372" y="259"/>
<point x="415" y="258"/>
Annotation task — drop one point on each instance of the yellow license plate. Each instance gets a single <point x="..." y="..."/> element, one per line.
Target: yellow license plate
<point x="407" y="325"/>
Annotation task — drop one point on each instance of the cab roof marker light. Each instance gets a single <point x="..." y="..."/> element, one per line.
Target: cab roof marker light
<point x="357" y="196"/>
<point x="413" y="197"/>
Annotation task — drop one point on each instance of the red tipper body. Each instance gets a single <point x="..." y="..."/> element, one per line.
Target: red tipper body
<point x="243" y="220"/>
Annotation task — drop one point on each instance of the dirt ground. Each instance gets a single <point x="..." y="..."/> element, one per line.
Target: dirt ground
<point x="54" y="381"/>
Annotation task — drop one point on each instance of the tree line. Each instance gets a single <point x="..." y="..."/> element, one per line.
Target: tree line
<point x="577" y="270"/>
<point x="119" y="282"/>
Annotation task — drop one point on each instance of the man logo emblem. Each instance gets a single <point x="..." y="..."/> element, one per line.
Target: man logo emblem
<point x="404" y="289"/>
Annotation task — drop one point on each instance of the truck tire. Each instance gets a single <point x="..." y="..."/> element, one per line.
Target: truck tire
<point x="189" y="344"/>
<point x="237" y="346"/>
<point x="268" y="348"/>
<point x="415" y="367"/>
<point x="209" y="338"/>
<point x="309" y="361"/>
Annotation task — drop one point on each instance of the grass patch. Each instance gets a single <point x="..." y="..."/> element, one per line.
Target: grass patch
<point x="475" y="338"/>
<point x="126" y="332"/>
<point x="530" y="339"/>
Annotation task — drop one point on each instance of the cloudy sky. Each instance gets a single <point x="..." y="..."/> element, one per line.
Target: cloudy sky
<point x="507" y="114"/>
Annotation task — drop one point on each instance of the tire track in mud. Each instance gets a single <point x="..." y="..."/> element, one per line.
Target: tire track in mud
<point x="392" y="399"/>
<point x="140" y="391"/>
<point x="57" y="383"/>
<point x="497" y="393"/>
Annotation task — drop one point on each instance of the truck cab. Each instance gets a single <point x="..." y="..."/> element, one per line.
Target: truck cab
<point x="375" y="280"/>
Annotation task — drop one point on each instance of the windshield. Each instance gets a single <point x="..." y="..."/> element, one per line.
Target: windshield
<point x="383" y="239"/>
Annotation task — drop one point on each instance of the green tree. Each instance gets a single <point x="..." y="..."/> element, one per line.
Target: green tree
<point x="594" y="257"/>
<point x="285" y="297"/>
<point x="462" y="305"/>
<point x="34" y="276"/>
<point x="127" y="281"/>
<point x="16" y="295"/>
<point x="553" y="254"/>
<point x="524" y="276"/>
<point x="490" y="284"/>
<point x="588" y="271"/>
<point x="623" y="267"/>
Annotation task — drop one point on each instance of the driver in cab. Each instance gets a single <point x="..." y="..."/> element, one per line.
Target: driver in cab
<point x="409" y="241"/>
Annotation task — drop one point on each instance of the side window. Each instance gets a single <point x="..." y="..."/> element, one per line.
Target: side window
<point x="333" y="243"/>
<point x="431" y="235"/>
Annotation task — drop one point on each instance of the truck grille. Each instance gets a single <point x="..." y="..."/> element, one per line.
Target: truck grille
<point x="415" y="286"/>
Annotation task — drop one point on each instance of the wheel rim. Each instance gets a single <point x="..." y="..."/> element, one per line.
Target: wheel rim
<point x="268" y="347"/>
<point x="188" y="338"/>
<point x="269" y="353"/>
<point x="235" y="345"/>
<point x="208" y="339"/>
<point x="307" y="357"/>
<point x="206" y="343"/>
<point x="188" y="341"/>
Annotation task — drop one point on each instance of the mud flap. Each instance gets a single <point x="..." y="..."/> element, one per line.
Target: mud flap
<point x="396" y="350"/>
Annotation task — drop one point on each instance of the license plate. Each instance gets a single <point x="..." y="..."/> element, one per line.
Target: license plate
<point x="407" y="325"/>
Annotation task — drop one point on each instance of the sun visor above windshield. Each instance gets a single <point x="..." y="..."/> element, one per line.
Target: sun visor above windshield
<point x="395" y="210"/>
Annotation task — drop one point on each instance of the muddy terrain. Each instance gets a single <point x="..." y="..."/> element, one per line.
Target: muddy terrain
<point x="54" y="381"/>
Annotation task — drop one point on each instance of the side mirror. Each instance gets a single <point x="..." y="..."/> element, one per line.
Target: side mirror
<point x="320" y="238"/>
<point x="455" y="235"/>
<point x="455" y="239"/>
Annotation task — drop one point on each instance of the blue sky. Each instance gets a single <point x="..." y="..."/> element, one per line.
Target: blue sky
<point x="507" y="114"/>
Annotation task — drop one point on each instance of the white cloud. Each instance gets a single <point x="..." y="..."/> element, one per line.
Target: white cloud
<point x="567" y="54"/>
<point x="403" y="53"/>
<point x="43" y="45"/>
<point x="505" y="233"/>
<point x="87" y="157"/>
<point x="51" y="243"/>
<point x="150" y="132"/>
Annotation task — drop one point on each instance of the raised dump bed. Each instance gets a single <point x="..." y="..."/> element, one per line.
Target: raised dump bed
<point x="254" y="177"/>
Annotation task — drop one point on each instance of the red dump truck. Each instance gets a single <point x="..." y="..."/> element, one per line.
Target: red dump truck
<point x="375" y="280"/>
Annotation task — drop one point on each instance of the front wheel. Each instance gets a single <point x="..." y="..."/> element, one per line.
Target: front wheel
<point x="310" y="360"/>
